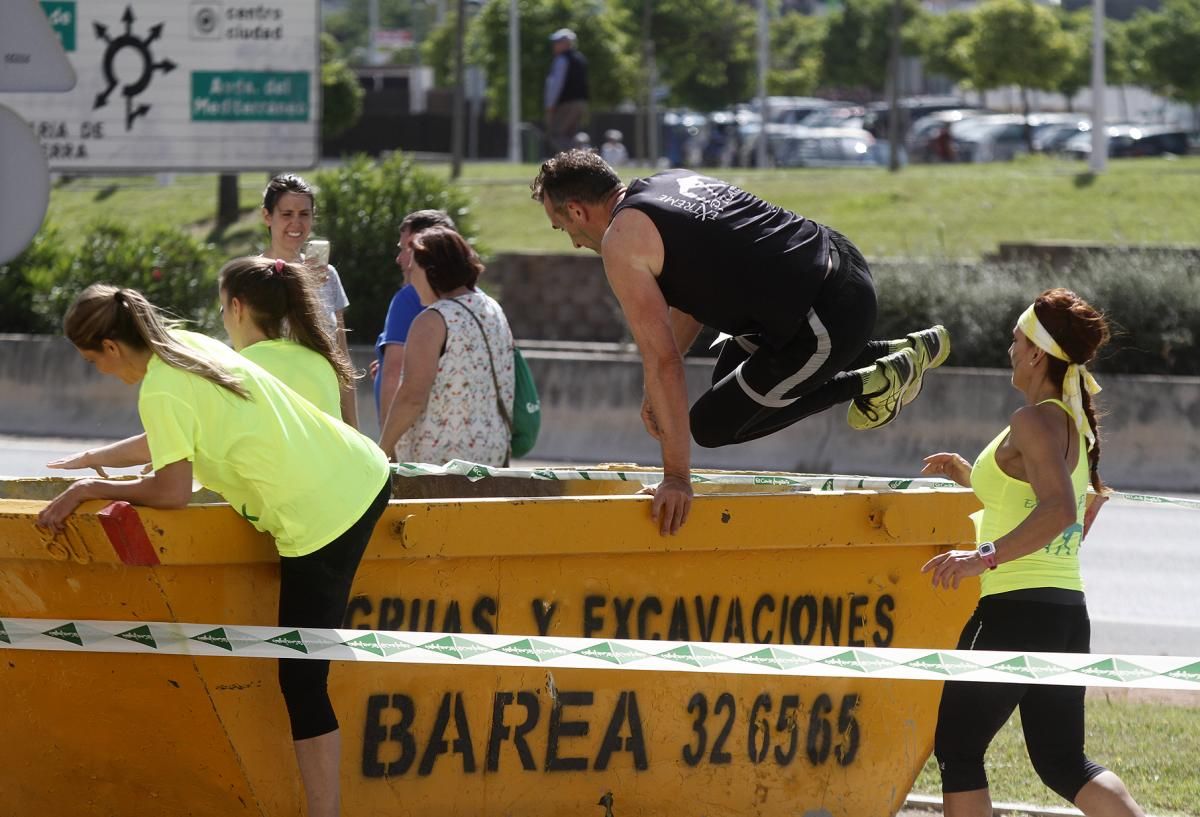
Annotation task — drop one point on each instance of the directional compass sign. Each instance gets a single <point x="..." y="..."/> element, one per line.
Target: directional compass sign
<point x="142" y="46"/>
<point x="180" y="85"/>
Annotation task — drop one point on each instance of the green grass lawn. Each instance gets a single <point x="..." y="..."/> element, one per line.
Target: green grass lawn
<point x="1153" y="747"/>
<point x="957" y="211"/>
<point x="189" y="201"/>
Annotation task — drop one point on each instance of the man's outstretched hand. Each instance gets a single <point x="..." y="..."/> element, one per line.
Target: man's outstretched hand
<point x="672" y="502"/>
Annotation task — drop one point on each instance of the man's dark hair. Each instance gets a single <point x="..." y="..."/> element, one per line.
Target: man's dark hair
<point x="574" y="175"/>
<point x="419" y="220"/>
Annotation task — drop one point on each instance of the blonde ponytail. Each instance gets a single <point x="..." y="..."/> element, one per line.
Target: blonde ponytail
<point x="103" y="312"/>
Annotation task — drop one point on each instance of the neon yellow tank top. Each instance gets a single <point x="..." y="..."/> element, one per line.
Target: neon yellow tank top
<point x="1006" y="502"/>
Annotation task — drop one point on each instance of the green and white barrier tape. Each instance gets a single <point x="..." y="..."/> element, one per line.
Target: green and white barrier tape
<point x="799" y="482"/>
<point x="556" y="652"/>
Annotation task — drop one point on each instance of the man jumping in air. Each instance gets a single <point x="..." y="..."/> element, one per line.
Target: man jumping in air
<point x="681" y="251"/>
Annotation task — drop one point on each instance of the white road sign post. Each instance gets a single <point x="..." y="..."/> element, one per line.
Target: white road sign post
<point x="31" y="59"/>
<point x="181" y="85"/>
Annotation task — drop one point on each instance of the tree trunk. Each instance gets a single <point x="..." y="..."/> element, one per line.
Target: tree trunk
<point x="227" y="200"/>
<point x="894" y="134"/>
<point x="458" y="115"/>
<point x="1025" y="113"/>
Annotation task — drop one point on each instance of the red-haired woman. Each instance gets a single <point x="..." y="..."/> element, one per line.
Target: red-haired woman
<point x="1032" y="480"/>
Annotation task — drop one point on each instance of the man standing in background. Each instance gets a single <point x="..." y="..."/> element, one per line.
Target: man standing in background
<point x="566" y="91"/>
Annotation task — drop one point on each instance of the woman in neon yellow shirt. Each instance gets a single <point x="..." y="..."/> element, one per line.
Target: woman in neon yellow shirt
<point x="1032" y="480"/>
<point x="311" y="481"/>
<point x="264" y="299"/>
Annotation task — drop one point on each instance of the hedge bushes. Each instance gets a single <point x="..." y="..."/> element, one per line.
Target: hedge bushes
<point x="359" y="209"/>
<point x="1152" y="302"/>
<point x="22" y="278"/>
<point x="175" y="271"/>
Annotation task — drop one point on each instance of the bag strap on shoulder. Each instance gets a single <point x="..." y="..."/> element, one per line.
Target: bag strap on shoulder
<point x="504" y="412"/>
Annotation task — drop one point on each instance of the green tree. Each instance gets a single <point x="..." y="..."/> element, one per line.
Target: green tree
<point x="341" y="95"/>
<point x="168" y="265"/>
<point x="858" y="40"/>
<point x="938" y="38"/>
<point x="796" y="54"/>
<point x="1168" y="46"/>
<point x="704" y="49"/>
<point x="1077" y="26"/>
<point x="360" y="207"/>
<point x="1077" y="36"/>
<point x="23" y="278"/>
<point x="601" y="41"/>
<point x="1016" y="42"/>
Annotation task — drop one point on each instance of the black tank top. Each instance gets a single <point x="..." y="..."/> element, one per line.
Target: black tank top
<point x="731" y="260"/>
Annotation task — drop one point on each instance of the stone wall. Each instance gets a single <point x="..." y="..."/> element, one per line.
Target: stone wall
<point x="557" y="296"/>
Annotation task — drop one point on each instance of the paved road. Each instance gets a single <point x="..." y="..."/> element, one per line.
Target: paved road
<point x="1140" y="564"/>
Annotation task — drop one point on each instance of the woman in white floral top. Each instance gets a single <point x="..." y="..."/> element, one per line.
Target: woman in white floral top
<point x="458" y="359"/>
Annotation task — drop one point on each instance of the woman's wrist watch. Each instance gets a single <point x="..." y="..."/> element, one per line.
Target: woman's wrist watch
<point x="987" y="552"/>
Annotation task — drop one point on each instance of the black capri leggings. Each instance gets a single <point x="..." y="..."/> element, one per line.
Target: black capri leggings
<point x="313" y="592"/>
<point x="757" y="390"/>
<point x="971" y="714"/>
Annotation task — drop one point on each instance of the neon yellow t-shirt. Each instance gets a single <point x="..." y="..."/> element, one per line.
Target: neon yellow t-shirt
<point x="1006" y="502"/>
<point x="289" y="468"/>
<point x="305" y="371"/>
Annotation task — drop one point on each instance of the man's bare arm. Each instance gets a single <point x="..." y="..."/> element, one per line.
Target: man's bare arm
<point x="632" y="253"/>
<point x="685" y="328"/>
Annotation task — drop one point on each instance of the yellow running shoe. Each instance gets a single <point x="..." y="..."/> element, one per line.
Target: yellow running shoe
<point x="932" y="347"/>
<point x="880" y="408"/>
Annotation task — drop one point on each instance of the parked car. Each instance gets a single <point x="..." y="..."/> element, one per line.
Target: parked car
<point x="826" y="137"/>
<point x="998" y="137"/>
<point x="682" y="137"/>
<point x="825" y="147"/>
<point x="1051" y="136"/>
<point x="1002" y="137"/>
<point x="720" y="140"/>
<point x="847" y="117"/>
<point x="1125" y="141"/>
<point x="923" y="137"/>
<point x="783" y="113"/>
<point x="912" y="108"/>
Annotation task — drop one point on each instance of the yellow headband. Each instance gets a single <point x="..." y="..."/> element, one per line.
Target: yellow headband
<point x="1076" y="372"/>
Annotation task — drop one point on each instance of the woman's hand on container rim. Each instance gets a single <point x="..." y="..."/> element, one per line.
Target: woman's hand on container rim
<point x="52" y="516"/>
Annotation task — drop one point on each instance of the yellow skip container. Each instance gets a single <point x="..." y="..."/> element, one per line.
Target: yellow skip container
<point x="107" y="734"/>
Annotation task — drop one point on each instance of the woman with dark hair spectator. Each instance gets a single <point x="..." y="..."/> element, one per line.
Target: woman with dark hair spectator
<point x="313" y="483"/>
<point x="289" y="205"/>
<point x="458" y="383"/>
<point x="1032" y="480"/>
